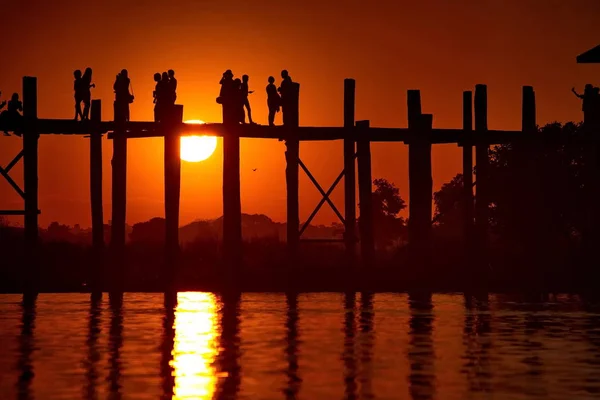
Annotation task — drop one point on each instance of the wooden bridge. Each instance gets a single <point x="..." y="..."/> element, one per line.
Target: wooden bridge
<point x="356" y="135"/>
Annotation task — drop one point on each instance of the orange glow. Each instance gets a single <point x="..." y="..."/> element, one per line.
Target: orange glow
<point x="439" y="47"/>
<point x="195" y="346"/>
<point x="197" y="148"/>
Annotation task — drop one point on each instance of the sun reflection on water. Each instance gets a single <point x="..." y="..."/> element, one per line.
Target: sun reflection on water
<point x="195" y="347"/>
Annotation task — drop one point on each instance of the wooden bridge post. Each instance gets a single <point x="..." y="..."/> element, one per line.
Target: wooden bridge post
<point x="292" y="155"/>
<point x="119" y="199"/>
<point x="232" y="207"/>
<point x="467" y="148"/>
<point x="527" y="191"/>
<point x="96" y="197"/>
<point x="482" y="200"/>
<point x="30" y="177"/>
<point x="365" y="194"/>
<point x="172" y="161"/>
<point x="349" y="169"/>
<point x="420" y="183"/>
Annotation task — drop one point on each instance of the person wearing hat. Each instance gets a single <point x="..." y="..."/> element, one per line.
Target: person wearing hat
<point x="227" y="98"/>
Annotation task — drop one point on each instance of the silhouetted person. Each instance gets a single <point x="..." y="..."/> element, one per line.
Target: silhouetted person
<point x="155" y="95"/>
<point x="229" y="98"/>
<point x="588" y="102"/>
<point x="122" y="96"/>
<point x="172" y="87"/>
<point x="287" y="92"/>
<point x="77" y="88"/>
<point x="245" y="93"/>
<point x="273" y="100"/>
<point x="86" y="85"/>
<point x="15" y="106"/>
<point x="239" y="101"/>
<point x="11" y="116"/>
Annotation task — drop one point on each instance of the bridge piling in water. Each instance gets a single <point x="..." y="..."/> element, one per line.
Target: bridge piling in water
<point x="349" y="170"/>
<point x="30" y="178"/>
<point x="365" y="195"/>
<point x="119" y="200"/>
<point x="467" y="168"/>
<point x="482" y="170"/>
<point x="292" y="159"/>
<point x="97" y="267"/>
<point x="420" y="183"/>
<point x="172" y="174"/>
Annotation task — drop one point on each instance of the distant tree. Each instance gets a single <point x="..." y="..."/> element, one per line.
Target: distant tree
<point x="152" y="231"/>
<point x="58" y="232"/>
<point x="449" y="206"/>
<point x="387" y="205"/>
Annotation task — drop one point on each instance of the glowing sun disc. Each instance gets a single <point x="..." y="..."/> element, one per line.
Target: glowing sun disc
<point x="197" y="148"/>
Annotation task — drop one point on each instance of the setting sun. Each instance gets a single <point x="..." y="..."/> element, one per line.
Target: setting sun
<point x="197" y="148"/>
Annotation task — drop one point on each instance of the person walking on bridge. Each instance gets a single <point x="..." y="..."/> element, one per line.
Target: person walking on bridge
<point x="123" y="98"/>
<point x="246" y="103"/>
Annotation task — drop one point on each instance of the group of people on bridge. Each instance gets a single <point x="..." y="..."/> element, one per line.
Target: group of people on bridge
<point x="81" y="86"/>
<point x="165" y="94"/>
<point x="234" y="97"/>
<point x="12" y="113"/>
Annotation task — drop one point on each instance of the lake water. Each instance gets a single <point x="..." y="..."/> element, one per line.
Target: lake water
<point x="309" y="346"/>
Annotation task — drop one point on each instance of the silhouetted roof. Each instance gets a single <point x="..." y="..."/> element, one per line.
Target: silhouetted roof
<point x="590" y="56"/>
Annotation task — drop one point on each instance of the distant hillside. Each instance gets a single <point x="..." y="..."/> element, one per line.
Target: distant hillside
<point x="253" y="226"/>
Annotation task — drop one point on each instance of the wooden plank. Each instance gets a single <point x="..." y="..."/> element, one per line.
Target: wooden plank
<point x="349" y="169"/>
<point x="30" y="177"/>
<point x="309" y="133"/>
<point x="172" y="165"/>
<point x="365" y="195"/>
<point x="96" y="198"/>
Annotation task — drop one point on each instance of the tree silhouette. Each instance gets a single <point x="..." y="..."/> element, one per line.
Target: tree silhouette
<point x="387" y="204"/>
<point x="449" y="208"/>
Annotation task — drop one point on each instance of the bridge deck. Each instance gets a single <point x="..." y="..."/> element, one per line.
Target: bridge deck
<point x="136" y="130"/>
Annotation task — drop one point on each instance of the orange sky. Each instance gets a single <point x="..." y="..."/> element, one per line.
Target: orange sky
<point x="440" y="47"/>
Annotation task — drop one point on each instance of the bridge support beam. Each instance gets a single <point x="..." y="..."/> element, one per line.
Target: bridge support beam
<point x="420" y="187"/>
<point x="172" y="145"/>
<point x="30" y="175"/>
<point x="467" y="172"/>
<point x="232" y="208"/>
<point x="97" y="262"/>
<point x="119" y="200"/>
<point x="292" y="158"/>
<point x="350" y="170"/>
<point x="482" y="199"/>
<point x="365" y="195"/>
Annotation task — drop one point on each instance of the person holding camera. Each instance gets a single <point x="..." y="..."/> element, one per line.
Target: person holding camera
<point x="122" y="96"/>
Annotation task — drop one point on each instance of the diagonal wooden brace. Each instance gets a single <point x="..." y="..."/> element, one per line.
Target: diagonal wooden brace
<point x="4" y="172"/>
<point x="324" y="194"/>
